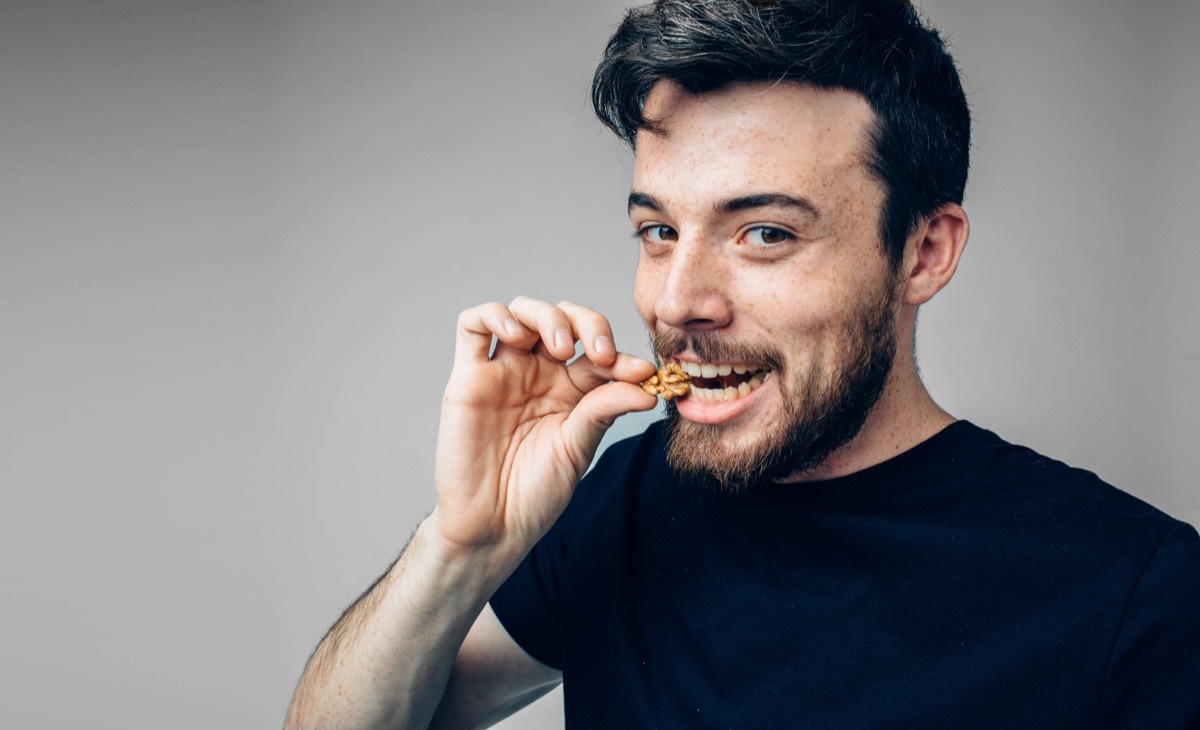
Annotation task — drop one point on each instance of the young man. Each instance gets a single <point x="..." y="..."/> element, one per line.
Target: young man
<point x="808" y="539"/>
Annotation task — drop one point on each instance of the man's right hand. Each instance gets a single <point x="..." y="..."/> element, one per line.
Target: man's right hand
<point x="519" y="428"/>
<point x="519" y="425"/>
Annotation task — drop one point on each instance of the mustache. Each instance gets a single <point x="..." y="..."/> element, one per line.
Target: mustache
<point x="669" y="344"/>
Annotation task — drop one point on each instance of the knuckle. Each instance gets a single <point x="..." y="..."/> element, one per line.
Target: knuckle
<point x="584" y="316"/>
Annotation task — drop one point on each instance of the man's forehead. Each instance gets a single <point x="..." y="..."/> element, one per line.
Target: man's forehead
<point x="750" y="132"/>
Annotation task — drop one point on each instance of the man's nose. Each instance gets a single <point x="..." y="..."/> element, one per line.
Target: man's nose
<point x="694" y="293"/>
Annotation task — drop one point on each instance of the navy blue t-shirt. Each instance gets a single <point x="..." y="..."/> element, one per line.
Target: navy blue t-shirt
<point x="967" y="583"/>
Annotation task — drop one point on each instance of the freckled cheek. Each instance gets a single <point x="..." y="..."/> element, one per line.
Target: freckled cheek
<point x="792" y="329"/>
<point x="788" y="307"/>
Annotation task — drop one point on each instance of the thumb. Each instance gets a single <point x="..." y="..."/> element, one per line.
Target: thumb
<point x="596" y="412"/>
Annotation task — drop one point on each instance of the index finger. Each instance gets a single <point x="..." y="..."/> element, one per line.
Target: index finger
<point x="478" y="325"/>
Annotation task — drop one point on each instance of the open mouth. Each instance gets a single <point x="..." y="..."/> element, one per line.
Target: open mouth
<point x="721" y="382"/>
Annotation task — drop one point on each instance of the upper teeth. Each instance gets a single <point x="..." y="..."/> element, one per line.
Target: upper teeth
<point x="709" y="370"/>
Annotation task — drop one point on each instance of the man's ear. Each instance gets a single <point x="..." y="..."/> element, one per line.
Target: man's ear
<point x="931" y="256"/>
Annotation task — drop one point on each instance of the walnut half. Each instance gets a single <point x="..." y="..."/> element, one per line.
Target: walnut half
<point x="669" y="382"/>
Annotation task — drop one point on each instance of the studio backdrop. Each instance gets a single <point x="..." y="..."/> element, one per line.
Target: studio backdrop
<point x="237" y="236"/>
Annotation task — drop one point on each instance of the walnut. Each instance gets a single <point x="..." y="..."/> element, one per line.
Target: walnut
<point x="669" y="382"/>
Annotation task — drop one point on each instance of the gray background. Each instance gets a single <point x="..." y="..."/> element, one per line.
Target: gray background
<point x="237" y="234"/>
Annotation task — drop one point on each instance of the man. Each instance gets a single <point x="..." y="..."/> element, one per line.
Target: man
<point x="808" y="540"/>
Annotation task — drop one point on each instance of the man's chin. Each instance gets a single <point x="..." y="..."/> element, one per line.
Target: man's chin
<point x="733" y="456"/>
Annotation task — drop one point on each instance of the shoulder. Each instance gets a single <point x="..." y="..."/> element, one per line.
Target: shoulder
<point x="1154" y="665"/>
<point x="1035" y="510"/>
<point x="1017" y="481"/>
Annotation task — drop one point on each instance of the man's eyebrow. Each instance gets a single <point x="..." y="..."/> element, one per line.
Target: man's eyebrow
<point x="642" y="200"/>
<point x="734" y="205"/>
<point x="764" y="200"/>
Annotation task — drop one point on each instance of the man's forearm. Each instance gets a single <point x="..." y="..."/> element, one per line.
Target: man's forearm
<point x="386" y="662"/>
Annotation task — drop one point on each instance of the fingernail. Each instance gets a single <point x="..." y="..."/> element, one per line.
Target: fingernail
<point x="640" y="361"/>
<point x="511" y="326"/>
<point x="604" y="345"/>
<point x="563" y="339"/>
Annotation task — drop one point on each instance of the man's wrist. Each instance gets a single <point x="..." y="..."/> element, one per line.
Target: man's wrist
<point x="477" y="569"/>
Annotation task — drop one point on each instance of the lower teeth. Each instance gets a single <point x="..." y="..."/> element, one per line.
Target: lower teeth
<point x="728" y="393"/>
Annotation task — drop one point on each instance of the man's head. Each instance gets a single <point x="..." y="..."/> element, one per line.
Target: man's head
<point x="787" y="159"/>
<point x="919" y="142"/>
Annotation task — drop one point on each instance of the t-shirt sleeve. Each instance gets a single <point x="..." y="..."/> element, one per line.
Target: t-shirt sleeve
<point x="1154" y="675"/>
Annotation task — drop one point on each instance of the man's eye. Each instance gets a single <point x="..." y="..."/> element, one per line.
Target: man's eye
<point x="658" y="234"/>
<point x="767" y="236"/>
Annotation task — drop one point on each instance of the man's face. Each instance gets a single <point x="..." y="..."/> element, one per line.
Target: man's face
<point x="761" y="272"/>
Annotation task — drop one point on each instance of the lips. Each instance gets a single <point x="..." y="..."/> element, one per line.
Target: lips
<point x="723" y="382"/>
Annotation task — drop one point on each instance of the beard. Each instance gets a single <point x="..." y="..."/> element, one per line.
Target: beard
<point x="822" y="408"/>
